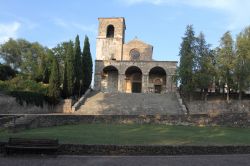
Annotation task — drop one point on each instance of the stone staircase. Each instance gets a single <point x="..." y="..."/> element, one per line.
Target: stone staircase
<point x="99" y="103"/>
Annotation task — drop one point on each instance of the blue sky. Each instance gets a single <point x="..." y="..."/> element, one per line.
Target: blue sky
<point x="160" y="23"/>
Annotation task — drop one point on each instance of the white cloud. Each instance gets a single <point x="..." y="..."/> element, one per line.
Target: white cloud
<point x="237" y="11"/>
<point x="8" y="30"/>
<point x="74" y="25"/>
<point x="60" y="23"/>
<point x="89" y="28"/>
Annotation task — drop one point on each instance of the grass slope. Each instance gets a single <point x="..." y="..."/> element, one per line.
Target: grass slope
<point x="138" y="134"/>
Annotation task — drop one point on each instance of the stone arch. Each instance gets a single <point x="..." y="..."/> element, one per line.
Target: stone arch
<point x="133" y="79"/>
<point x="109" y="79"/>
<point x="110" y="31"/>
<point x="157" y="79"/>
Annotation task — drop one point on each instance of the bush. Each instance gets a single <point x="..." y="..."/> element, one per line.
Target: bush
<point x="30" y="98"/>
<point x="6" y="72"/>
<point x="4" y="86"/>
<point x="21" y="83"/>
<point x="27" y="91"/>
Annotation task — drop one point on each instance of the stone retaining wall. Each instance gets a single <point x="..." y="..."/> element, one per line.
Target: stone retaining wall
<point x="76" y="149"/>
<point x="228" y="119"/>
<point x="71" y="149"/>
<point x="218" y="106"/>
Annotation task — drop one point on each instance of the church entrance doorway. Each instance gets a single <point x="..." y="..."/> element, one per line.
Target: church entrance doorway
<point x="136" y="87"/>
<point x="157" y="79"/>
<point x="157" y="88"/>
<point x="133" y="80"/>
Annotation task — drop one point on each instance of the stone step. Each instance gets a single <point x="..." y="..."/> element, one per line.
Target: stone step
<point x="130" y="104"/>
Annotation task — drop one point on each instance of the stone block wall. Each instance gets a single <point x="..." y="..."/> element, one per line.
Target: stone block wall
<point x="110" y="48"/>
<point x="144" y="49"/>
<point x="218" y="106"/>
<point x="144" y="66"/>
<point x="227" y="119"/>
<point x="65" y="106"/>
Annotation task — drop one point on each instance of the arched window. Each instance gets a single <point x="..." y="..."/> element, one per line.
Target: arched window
<point x="110" y="31"/>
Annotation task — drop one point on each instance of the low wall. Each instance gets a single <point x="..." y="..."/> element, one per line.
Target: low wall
<point x="71" y="149"/>
<point x="65" y="106"/>
<point x="8" y="105"/>
<point x="81" y="101"/>
<point x="76" y="149"/>
<point x="227" y="119"/>
<point x="218" y="106"/>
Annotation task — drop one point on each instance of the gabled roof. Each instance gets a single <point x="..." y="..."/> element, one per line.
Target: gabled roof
<point x="136" y="40"/>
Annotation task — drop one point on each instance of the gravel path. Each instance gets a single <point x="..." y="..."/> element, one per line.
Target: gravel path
<point x="197" y="160"/>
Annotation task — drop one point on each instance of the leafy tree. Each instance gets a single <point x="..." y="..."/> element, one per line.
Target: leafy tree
<point x="54" y="82"/>
<point x="60" y="52"/>
<point x="204" y="70"/>
<point x="34" y="60"/>
<point x="78" y="67"/>
<point x="242" y="61"/>
<point x="87" y="65"/>
<point x="28" y="58"/>
<point x="187" y="62"/>
<point x="11" y="53"/>
<point x="225" y="61"/>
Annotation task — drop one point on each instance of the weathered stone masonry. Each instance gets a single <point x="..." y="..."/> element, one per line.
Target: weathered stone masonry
<point x="122" y="66"/>
<point x="128" y="67"/>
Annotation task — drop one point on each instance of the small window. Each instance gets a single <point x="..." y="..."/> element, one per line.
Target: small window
<point x="110" y="31"/>
<point x="113" y="57"/>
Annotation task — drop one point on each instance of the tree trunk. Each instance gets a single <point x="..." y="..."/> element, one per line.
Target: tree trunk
<point x="228" y="95"/>
<point x="240" y="95"/>
<point x="190" y="96"/>
<point x="202" y="93"/>
<point x="205" y="97"/>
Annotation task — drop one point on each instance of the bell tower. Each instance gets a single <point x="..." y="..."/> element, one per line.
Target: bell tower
<point x="110" y="39"/>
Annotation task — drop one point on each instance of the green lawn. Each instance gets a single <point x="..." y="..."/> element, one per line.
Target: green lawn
<point x="138" y="134"/>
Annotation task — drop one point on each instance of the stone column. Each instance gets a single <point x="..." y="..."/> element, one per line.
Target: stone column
<point x="144" y="83"/>
<point x="174" y="89"/>
<point x="170" y="85"/>
<point x="97" y="81"/>
<point x="121" y="82"/>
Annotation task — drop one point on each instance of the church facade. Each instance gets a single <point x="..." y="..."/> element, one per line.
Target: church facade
<point x="128" y="67"/>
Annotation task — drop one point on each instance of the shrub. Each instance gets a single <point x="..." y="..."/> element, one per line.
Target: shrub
<point x="27" y="91"/>
<point x="6" y="72"/>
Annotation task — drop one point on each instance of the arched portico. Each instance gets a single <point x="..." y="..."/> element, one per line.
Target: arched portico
<point x="109" y="82"/>
<point x="133" y="78"/>
<point x="157" y="80"/>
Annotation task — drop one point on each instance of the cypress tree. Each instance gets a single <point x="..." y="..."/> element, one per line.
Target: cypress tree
<point x="87" y="65"/>
<point x="187" y="62"/>
<point x="77" y="67"/>
<point x="69" y="76"/>
<point x="54" y="82"/>
<point x="65" y="81"/>
<point x="70" y="68"/>
<point x="204" y="68"/>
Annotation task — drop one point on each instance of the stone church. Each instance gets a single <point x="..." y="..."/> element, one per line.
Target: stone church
<point x="128" y="67"/>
